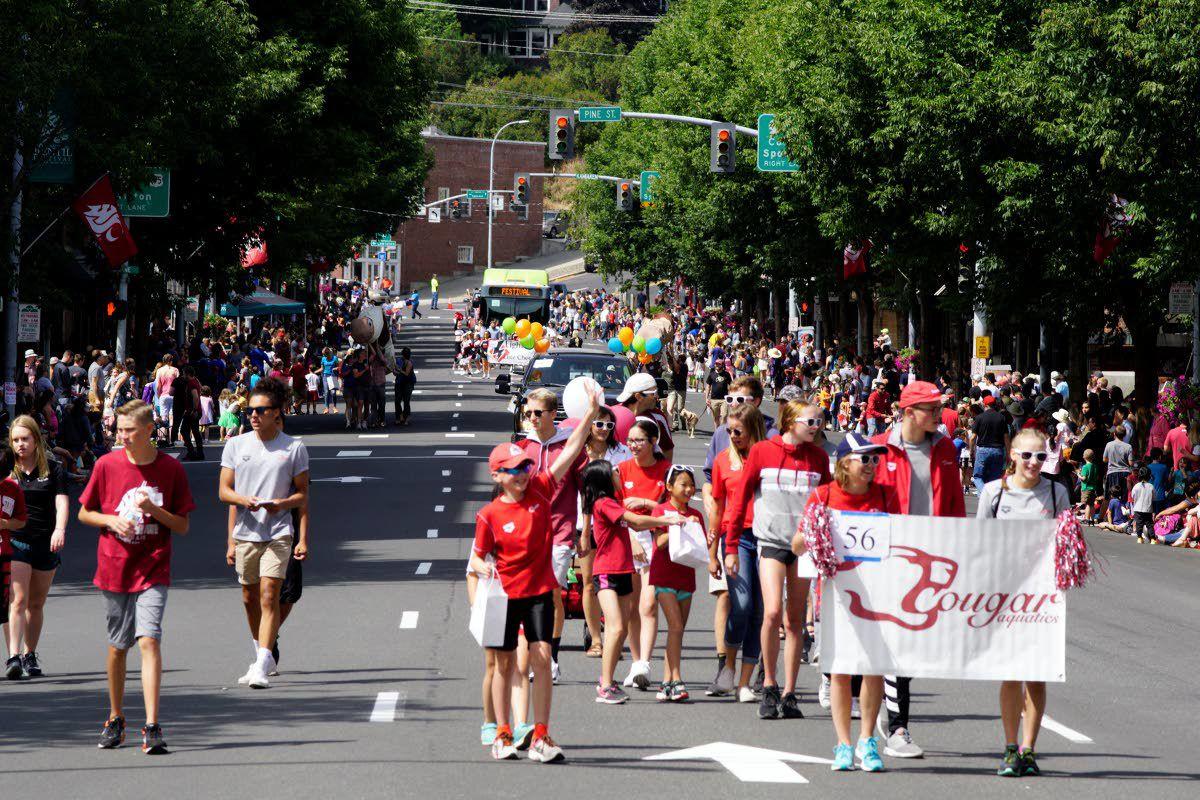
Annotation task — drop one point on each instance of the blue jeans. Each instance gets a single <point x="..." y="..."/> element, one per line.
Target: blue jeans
<point x="989" y="466"/>
<point x="433" y="302"/>
<point x="744" y="626"/>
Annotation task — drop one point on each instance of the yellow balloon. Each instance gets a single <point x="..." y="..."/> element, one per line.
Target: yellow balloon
<point x="523" y="327"/>
<point x="626" y="336"/>
<point x="536" y="330"/>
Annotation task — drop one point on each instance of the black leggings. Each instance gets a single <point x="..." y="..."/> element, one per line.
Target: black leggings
<point x="188" y="424"/>
<point x="403" y="397"/>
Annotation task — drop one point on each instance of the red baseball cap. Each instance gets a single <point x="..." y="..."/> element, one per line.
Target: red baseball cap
<point x="989" y="399"/>
<point x="506" y="456"/>
<point x="918" y="393"/>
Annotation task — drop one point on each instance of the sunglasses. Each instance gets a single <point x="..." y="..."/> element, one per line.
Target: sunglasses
<point x="651" y="393"/>
<point x="678" y="468"/>
<point x="736" y="399"/>
<point x="261" y="409"/>
<point x="603" y="424"/>
<point x="1040" y="456"/>
<point x="812" y="422"/>
<point x="870" y="458"/>
<point x="536" y="412"/>
<point x="636" y="442"/>
<point x="521" y="470"/>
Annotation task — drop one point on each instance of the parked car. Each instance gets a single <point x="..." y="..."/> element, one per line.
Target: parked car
<point x="591" y="262"/>
<point x="556" y="368"/>
<point x="554" y="224"/>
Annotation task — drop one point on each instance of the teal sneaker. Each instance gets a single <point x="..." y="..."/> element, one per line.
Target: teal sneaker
<point x="487" y="734"/>
<point x="1010" y="766"/>
<point x="523" y="735"/>
<point x="868" y="755"/>
<point x="1028" y="762"/>
<point x="843" y="758"/>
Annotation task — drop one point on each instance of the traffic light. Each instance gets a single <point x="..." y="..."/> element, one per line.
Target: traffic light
<point x="966" y="270"/>
<point x="521" y="189"/>
<point x="721" y="149"/>
<point x="625" y="196"/>
<point x="562" y="134"/>
<point x="117" y="309"/>
<point x="456" y="209"/>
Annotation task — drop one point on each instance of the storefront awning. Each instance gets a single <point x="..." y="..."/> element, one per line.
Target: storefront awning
<point x="262" y="303"/>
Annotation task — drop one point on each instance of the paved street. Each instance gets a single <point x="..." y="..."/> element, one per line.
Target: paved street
<point x="379" y="692"/>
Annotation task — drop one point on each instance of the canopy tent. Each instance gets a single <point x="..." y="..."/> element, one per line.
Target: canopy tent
<point x="262" y="303"/>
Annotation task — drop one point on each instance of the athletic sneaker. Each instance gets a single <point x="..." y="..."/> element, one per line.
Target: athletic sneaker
<point x="153" y="743"/>
<point x="757" y="683"/>
<point x="545" y="751"/>
<point x="1010" y="763"/>
<point x="789" y="707"/>
<point x="256" y="677"/>
<point x="502" y="747"/>
<point x="13" y="669"/>
<point x="29" y="662"/>
<point x="610" y="695"/>
<point x="723" y="683"/>
<point x="487" y="734"/>
<point x="664" y="691"/>
<point x="1029" y="765"/>
<point x="855" y="711"/>
<point x="639" y="673"/>
<point x="522" y="735"/>
<point x="843" y="758"/>
<point x="274" y="670"/>
<point x="867" y="751"/>
<point x="823" y="692"/>
<point x="901" y="745"/>
<point x="746" y="695"/>
<point x="555" y="672"/>
<point x="679" y="692"/>
<point x="113" y="734"/>
<point x="768" y="706"/>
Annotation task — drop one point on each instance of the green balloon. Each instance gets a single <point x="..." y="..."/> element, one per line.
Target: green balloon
<point x="639" y="344"/>
<point x="528" y="342"/>
<point x="509" y="325"/>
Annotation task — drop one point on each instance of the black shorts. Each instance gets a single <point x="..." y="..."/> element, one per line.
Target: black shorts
<point x="781" y="554"/>
<point x="293" y="579"/>
<point x="534" y="614"/>
<point x="621" y="583"/>
<point x="36" y="554"/>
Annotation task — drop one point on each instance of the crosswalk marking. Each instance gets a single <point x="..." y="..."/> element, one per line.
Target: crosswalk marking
<point x="353" y="453"/>
<point x="389" y="706"/>
<point x="408" y="620"/>
<point x="432" y="533"/>
<point x="424" y="567"/>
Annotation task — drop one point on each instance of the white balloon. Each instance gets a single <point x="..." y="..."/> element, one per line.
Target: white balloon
<point x="575" y="396"/>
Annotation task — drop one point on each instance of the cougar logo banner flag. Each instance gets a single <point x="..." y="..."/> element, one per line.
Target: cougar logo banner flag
<point x="954" y="598"/>
<point x="97" y="207"/>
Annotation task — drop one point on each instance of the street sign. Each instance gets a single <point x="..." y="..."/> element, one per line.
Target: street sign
<point x="1179" y="301"/>
<point x="435" y="214"/>
<point x="498" y="202"/>
<point x="748" y="764"/>
<point x="647" y="185"/>
<point x="600" y="114"/>
<point x="29" y="323"/>
<point x="150" y="200"/>
<point x="477" y="194"/>
<point x="384" y="241"/>
<point x="131" y="269"/>
<point x="772" y="154"/>
<point x="983" y="347"/>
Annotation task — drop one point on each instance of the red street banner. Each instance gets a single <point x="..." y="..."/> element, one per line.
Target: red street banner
<point x="254" y="252"/>
<point x="854" y="258"/>
<point x="97" y="207"/>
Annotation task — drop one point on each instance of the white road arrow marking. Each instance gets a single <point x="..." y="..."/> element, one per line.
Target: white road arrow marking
<point x="1069" y="734"/>
<point x="748" y="764"/>
<point x="346" y="479"/>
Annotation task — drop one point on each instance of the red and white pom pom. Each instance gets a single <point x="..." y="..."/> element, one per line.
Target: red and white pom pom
<point x="1072" y="561"/>
<point x="818" y="538"/>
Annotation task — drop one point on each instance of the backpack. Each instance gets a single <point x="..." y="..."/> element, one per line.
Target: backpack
<point x="1004" y="485"/>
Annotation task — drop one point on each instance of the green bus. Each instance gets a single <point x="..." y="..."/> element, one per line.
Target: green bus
<point x="520" y="293"/>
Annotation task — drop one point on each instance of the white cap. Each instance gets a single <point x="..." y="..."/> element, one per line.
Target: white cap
<point x="638" y="382"/>
<point x="1055" y="374"/>
<point x="30" y="354"/>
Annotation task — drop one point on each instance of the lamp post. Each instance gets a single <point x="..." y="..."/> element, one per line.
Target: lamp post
<point x="491" y="175"/>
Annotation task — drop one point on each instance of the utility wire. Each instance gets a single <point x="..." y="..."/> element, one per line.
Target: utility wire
<point x="520" y="95"/>
<point x="554" y="49"/>
<point x="485" y="11"/>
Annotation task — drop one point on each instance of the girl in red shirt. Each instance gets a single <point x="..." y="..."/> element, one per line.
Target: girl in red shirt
<point x="674" y="584"/>
<point x="641" y="488"/>
<point x="613" y="568"/>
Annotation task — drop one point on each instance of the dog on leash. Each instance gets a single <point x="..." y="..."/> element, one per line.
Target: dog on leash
<point x="689" y="419"/>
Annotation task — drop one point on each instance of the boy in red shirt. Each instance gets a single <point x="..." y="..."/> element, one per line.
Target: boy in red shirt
<point x="515" y="529"/>
<point x="138" y="497"/>
<point x="12" y="518"/>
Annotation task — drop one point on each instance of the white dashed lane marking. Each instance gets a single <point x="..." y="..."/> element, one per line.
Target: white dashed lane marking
<point x="372" y="436"/>
<point x="445" y="490"/>
<point x="424" y="567"/>
<point x="438" y="509"/>
<point x="408" y="620"/>
<point x="1067" y="733"/>
<point x="353" y="453"/>
<point x="449" y="452"/>
<point x="445" y="473"/>
<point x="389" y="706"/>
<point x="460" y="436"/>
<point x="432" y="533"/>
<point x="453" y="427"/>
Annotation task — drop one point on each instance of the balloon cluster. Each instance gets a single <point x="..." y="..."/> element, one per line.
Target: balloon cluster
<point x="625" y="340"/>
<point x="530" y="335"/>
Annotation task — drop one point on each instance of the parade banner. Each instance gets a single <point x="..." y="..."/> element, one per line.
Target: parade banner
<point x="944" y="598"/>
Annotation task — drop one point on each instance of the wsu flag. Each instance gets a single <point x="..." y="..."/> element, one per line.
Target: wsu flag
<point x="97" y="207"/>
<point x="854" y="258"/>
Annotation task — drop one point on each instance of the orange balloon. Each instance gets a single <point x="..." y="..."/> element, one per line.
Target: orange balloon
<point x="645" y="358"/>
<point x="536" y="330"/>
<point x="626" y="336"/>
<point x="542" y="345"/>
<point x="523" y="327"/>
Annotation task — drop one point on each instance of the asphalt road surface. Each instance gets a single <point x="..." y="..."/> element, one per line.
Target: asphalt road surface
<point x="379" y="692"/>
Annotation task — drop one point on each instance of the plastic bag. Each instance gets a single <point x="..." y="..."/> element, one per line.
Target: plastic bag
<point x="489" y="614"/>
<point x="687" y="544"/>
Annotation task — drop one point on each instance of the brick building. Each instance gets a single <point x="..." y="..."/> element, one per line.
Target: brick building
<point x="419" y="248"/>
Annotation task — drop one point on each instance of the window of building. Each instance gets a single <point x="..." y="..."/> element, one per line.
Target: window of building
<point x="487" y="43"/>
<point x="538" y="5"/>
<point x="466" y="254"/>
<point x="537" y="43"/>
<point x="518" y="43"/>
<point x="466" y="203"/>
<point x="443" y="192"/>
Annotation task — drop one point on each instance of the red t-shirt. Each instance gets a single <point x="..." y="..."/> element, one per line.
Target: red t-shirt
<point x="665" y="572"/>
<point x="12" y="506"/>
<point x="298" y="371"/>
<point x="878" y="499"/>
<point x="950" y="419"/>
<point x="614" y="554"/>
<point x="724" y="478"/>
<point x="143" y="560"/>
<point x="520" y="537"/>
<point x="648" y="483"/>
<point x="1179" y="444"/>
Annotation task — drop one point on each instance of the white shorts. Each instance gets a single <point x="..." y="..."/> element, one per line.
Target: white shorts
<point x="562" y="557"/>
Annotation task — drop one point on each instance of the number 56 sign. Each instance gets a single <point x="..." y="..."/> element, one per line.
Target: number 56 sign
<point x="861" y="536"/>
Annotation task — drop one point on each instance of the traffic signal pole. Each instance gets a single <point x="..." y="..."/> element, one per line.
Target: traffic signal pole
<point x="701" y="121"/>
<point x="491" y="176"/>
